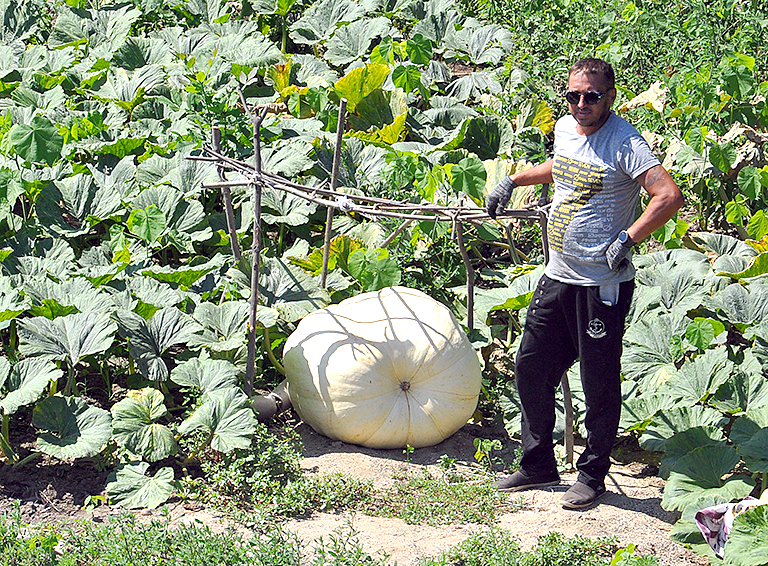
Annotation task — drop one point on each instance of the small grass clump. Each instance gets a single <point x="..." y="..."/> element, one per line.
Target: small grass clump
<point x="426" y="498"/>
<point x="267" y="478"/>
<point x="127" y="542"/>
<point x="498" y="547"/>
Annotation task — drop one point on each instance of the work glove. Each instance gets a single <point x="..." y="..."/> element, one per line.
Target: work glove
<point x="499" y="196"/>
<point x="616" y="254"/>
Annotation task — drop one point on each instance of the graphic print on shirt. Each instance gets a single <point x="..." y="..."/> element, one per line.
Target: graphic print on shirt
<point x="585" y="181"/>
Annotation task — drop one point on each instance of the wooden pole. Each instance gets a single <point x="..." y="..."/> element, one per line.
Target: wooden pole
<point x="334" y="184"/>
<point x="255" y="255"/>
<point x="227" y="196"/>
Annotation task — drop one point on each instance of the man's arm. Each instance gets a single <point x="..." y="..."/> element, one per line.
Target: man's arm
<point x="499" y="197"/>
<point x="666" y="199"/>
<point x="537" y="175"/>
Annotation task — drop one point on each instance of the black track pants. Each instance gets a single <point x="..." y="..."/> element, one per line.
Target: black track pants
<point x="565" y="323"/>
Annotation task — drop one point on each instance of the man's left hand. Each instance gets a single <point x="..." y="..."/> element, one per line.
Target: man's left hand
<point x="616" y="254"/>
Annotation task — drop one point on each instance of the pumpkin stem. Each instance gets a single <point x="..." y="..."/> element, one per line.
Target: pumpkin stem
<point x="405" y="385"/>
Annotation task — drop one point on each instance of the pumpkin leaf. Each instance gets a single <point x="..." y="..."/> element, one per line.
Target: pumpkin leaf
<point x="699" y="473"/>
<point x="226" y="415"/>
<point x="25" y="383"/>
<point x="134" y="425"/>
<point x="468" y="176"/>
<point x="130" y="487"/>
<point x="70" y="337"/>
<point x="698" y="379"/>
<point x="319" y="21"/>
<point x="37" y="142"/>
<point x="207" y="375"/>
<point x="351" y="42"/>
<point x="755" y="451"/>
<point x="289" y="290"/>
<point x="669" y="422"/>
<point x="147" y="223"/>
<point x="748" y="539"/>
<point x="149" y="339"/>
<point x="684" y="442"/>
<point x="361" y="82"/>
<point x="71" y="428"/>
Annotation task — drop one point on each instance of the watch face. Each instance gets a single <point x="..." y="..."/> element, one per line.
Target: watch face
<point x="623" y="236"/>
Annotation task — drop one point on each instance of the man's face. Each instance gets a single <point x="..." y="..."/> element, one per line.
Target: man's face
<point x="590" y="117"/>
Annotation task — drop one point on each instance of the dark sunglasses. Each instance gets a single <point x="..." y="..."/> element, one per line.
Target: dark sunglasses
<point x="590" y="97"/>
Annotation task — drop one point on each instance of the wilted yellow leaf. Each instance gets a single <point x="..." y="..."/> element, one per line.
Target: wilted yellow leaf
<point x="655" y="97"/>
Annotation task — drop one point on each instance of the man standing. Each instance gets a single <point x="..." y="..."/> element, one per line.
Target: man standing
<point x="579" y="305"/>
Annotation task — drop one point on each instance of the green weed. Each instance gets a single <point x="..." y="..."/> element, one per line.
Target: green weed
<point x="451" y="498"/>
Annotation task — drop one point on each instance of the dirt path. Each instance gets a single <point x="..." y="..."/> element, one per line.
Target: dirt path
<point x="630" y="510"/>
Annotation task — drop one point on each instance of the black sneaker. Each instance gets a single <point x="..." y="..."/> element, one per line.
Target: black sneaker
<point x="520" y="481"/>
<point x="580" y="496"/>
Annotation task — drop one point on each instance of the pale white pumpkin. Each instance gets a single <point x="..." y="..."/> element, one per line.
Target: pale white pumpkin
<point x="383" y="369"/>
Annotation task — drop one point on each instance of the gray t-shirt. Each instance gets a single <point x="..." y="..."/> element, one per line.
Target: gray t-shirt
<point x="595" y="198"/>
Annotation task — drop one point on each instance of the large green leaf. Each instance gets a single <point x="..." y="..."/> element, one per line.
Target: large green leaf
<point x="206" y="374"/>
<point x="648" y="357"/>
<point x="287" y="158"/>
<point x="698" y="379"/>
<point x="289" y="290"/>
<point x="684" y="442"/>
<point x="70" y="337"/>
<point x="755" y="451"/>
<point x="25" y="383"/>
<point x="748" y="539"/>
<point x="12" y="302"/>
<point x="181" y="214"/>
<point x="135" y="426"/>
<point x="70" y="427"/>
<point x="130" y="487"/>
<point x="281" y="207"/>
<point x="700" y="473"/>
<point x="319" y="21"/>
<point x="147" y="223"/>
<point x="38" y="142"/>
<point x="226" y="415"/>
<point x="669" y="422"/>
<point x="351" y="42"/>
<point x="225" y="324"/>
<point x="746" y="390"/>
<point x="374" y="269"/>
<point x="468" y="176"/>
<point x="11" y="188"/>
<point x="106" y="27"/>
<point x="487" y="136"/>
<point x="486" y="44"/>
<point x="743" y="305"/>
<point x="149" y="339"/>
<point x="744" y="428"/>
<point x="71" y="206"/>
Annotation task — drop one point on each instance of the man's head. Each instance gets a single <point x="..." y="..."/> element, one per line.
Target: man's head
<point x="590" y="93"/>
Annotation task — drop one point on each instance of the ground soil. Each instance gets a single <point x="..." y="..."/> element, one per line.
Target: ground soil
<point x="630" y="510"/>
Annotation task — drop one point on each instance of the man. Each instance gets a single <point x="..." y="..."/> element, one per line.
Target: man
<point x="579" y="305"/>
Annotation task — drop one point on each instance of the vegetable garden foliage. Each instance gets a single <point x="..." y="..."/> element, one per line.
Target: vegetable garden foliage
<point x="122" y="309"/>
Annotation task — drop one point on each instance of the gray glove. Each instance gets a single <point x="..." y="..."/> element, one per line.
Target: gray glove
<point x="499" y="196"/>
<point x="616" y="254"/>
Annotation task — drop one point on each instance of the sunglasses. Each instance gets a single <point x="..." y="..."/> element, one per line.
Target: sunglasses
<point x="590" y="97"/>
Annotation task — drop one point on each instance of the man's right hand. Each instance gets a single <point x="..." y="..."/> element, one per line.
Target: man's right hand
<point x="499" y="196"/>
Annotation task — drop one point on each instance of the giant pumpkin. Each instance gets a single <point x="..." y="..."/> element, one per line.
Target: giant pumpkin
<point x="383" y="369"/>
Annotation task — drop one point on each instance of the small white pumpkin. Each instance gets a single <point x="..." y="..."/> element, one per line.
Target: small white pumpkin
<point x="383" y="369"/>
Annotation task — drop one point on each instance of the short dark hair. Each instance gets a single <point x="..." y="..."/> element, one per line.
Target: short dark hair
<point x="591" y="66"/>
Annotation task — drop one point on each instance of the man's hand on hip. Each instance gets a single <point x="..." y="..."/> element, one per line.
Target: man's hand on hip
<point x="616" y="254"/>
<point x="499" y="196"/>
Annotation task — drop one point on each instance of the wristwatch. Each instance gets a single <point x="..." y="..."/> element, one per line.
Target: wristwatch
<point x="625" y="240"/>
